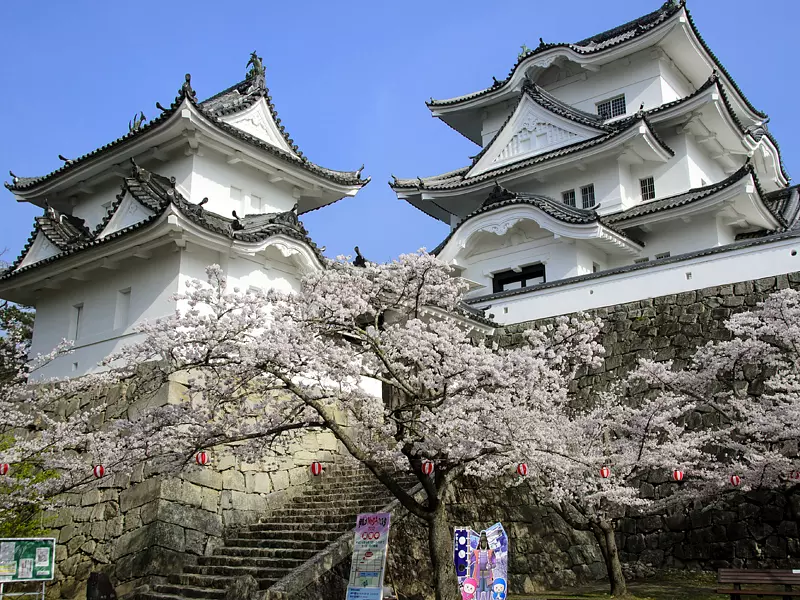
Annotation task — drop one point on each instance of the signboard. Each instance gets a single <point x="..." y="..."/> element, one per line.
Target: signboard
<point x="369" y="557"/>
<point x="481" y="561"/>
<point x="27" y="559"/>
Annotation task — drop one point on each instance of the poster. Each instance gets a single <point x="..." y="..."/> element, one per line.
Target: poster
<point x="481" y="561"/>
<point x="27" y="559"/>
<point x="368" y="564"/>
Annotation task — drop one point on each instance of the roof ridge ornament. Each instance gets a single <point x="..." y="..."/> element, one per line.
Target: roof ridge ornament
<point x="257" y="73"/>
<point x="186" y="88"/>
<point x="498" y="194"/>
<point x="66" y="160"/>
<point x="137" y="122"/>
<point x="524" y="51"/>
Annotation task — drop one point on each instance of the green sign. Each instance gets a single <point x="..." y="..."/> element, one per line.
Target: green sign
<point x="27" y="559"/>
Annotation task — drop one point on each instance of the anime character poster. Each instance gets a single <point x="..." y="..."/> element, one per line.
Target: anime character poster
<point x="481" y="560"/>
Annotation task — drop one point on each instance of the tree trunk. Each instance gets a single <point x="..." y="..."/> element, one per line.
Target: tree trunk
<point x="608" y="547"/>
<point x="440" y="544"/>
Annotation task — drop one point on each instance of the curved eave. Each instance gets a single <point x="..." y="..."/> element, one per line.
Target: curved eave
<point x="746" y="184"/>
<point x="543" y="57"/>
<point x="584" y="150"/>
<point x="134" y="143"/>
<point x="501" y="219"/>
<point x="448" y="109"/>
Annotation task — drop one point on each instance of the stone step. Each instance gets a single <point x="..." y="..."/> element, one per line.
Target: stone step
<point x="264" y="539"/>
<point x="338" y="504"/>
<point x="309" y="520"/>
<point x="218" y="582"/>
<point x="166" y="590"/>
<point x="273" y="571"/>
<point x="258" y="531"/>
<point x="231" y="545"/>
<point x="292" y="531"/>
<point x="366" y="492"/>
<point x="308" y="513"/>
<point x="261" y="562"/>
<point x="235" y="552"/>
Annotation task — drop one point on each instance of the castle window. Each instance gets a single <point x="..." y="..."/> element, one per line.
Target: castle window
<point x="613" y="107"/>
<point x="568" y="197"/>
<point x="639" y="261"/>
<point x="75" y="321"/>
<point x="512" y="280"/>
<point x="662" y="255"/>
<point x="587" y="195"/>
<point x="122" y="313"/>
<point x="648" y="188"/>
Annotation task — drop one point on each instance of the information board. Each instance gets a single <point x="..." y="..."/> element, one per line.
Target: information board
<point x="369" y="557"/>
<point x="27" y="559"/>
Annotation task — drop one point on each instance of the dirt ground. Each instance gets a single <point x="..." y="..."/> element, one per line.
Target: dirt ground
<point x="699" y="586"/>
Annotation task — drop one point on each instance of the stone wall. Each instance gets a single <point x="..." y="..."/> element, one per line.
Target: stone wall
<point x="752" y="530"/>
<point x="139" y="528"/>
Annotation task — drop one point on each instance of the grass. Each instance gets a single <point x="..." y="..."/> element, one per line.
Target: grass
<point x="680" y="586"/>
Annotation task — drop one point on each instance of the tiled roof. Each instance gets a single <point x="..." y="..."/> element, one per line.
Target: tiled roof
<point x="156" y="193"/>
<point x="234" y="99"/>
<point x="458" y="178"/>
<point x="553" y="104"/>
<point x="785" y="202"/>
<point x="596" y="43"/>
<point x="688" y="197"/>
<point x="607" y="39"/>
<point x="501" y="197"/>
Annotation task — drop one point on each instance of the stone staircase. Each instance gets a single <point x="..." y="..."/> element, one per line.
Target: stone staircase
<point x="289" y="537"/>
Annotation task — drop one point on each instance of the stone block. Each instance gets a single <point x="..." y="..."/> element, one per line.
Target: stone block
<point x="140" y="494"/>
<point x="90" y="498"/>
<point x="191" y="494"/>
<point x="233" y="480"/>
<point x="205" y="477"/>
<point x="189" y="517"/>
<point x="152" y="561"/>
<point x="280" y="480"/>
<point x="157" y="533"/>
<point x="211" y="500"/>
<point x="258" y="483"/>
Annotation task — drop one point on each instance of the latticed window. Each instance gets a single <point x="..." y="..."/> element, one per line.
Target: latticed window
<point x="613" y="107"/>
<point x="648" y="188"/>
<point x="568" y="197"/>
<point x="587" y="195"/>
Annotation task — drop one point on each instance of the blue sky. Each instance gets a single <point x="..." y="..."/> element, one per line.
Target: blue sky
<point x="349" y="80"/>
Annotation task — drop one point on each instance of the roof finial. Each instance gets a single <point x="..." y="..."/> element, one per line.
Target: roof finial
<point x="186" y="88"/>
<point x="494" y="81"/>
<point x="523" y="50"/>
<point x="394" y="180"/>
<point x="161" y="108"/>
<point x="257" y="64"/>
<point x="420" y="183"/>
<point x="203" y="201"/>
<point x="14" y="178"/>
<point x="360" y="170"/>
<point x="541" y="42"/>
<point x="236" y="225"/>
<point x="69" y="161"/>
<point x="359" y="261"/>
<point x="137" y="122"/>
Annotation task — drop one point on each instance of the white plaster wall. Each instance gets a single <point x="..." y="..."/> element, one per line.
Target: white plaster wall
<point x="678" y="237"/>
<point x="501" y="253"/>
<point x="640" y="81"/>
<point x="213" y="178"/>
<point x="700" y="165"/>
<point x="671" y="177"/>
<point x="674" y="85"/>
<point x="151" y="282"/>
<point x="91" y="207"/>
<point x="730" y="267"/>
<point x="494" y="118"/>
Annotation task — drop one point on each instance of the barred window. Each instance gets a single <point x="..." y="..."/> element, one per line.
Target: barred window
<point x="662" y="255"/>
<point x="613" y="107"/>
<point x="648" y="188"/>
<point x="638" y="261"/>
<point x="587" y="195"/>
<point x="568" y="197"/>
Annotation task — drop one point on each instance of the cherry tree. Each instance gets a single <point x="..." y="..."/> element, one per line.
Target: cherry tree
<point x="591" y="472"/>
<point x="258" y="368"/>
<point x="752" y="382"/>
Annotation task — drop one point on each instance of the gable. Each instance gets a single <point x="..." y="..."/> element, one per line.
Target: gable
<point x="41" y="249"/>
<point x="129" y="212"/>
<point x="257" y="121"/>
<point x="531" y="130"/>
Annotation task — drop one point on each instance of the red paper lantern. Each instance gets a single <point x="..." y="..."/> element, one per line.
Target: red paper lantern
<point x="201" y="458"/>
<point x="605" y="472"/>
<point x="316" y="468"/>
<point x="99" y="471"/>
<point x="427" y="467"/>
<point x="522" y="469"/>
<point x="4" y="469"/>
<point x="736" y="480"/>
<point x="677" y="475"/>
